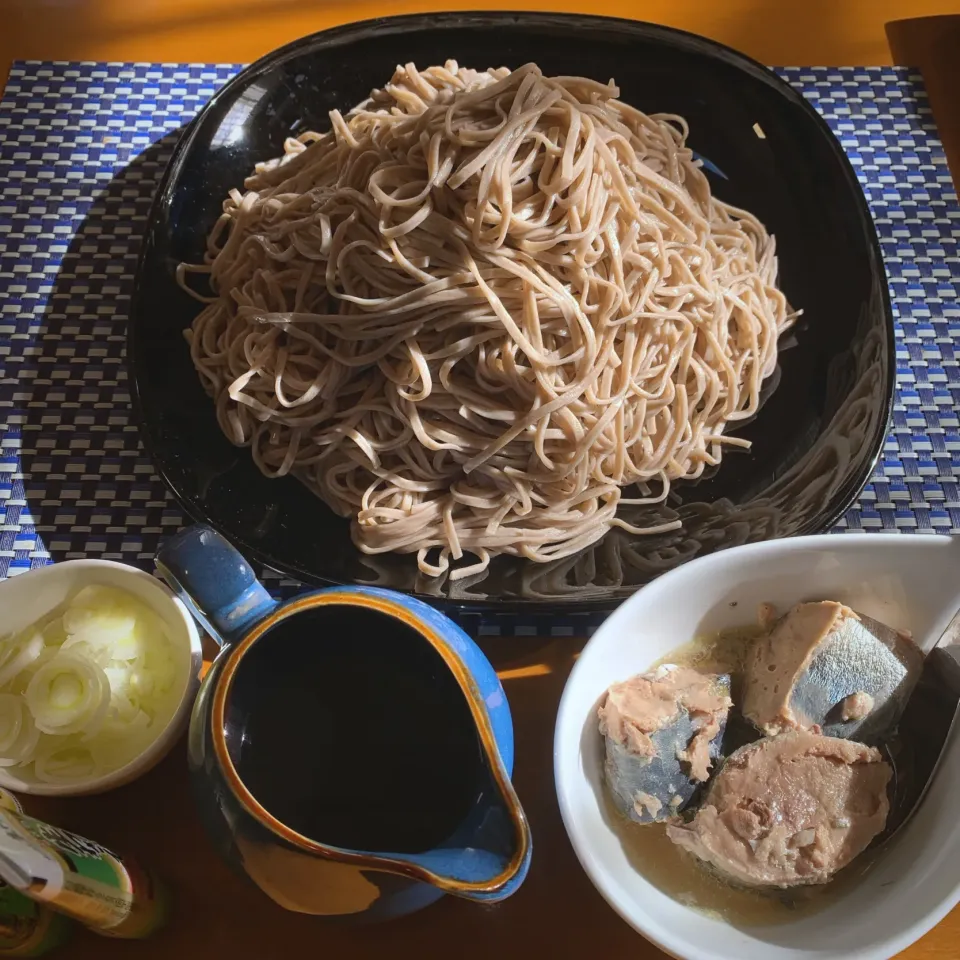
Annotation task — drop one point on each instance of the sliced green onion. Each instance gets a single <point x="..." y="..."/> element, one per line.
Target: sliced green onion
<point x="18" y="732"/>
<point x="86" y="690"/>
<point x="67" y="695"/>
<point x="64" y="760"/>
<point x="17" y="653"/>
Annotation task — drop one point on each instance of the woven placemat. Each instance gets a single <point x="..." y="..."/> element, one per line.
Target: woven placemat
<point x="73" y="479"/>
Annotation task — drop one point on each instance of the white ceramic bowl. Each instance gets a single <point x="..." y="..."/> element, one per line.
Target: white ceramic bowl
<point x="909" y="582"/>
<point x="28" y="597"/>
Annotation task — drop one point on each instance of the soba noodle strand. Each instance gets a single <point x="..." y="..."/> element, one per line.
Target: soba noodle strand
<point x="481" y="305"/>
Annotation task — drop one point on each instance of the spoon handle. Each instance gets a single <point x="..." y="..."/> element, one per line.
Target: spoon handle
<point x="928" y="724"/>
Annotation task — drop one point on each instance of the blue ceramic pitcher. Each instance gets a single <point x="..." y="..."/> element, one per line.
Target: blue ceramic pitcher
<point x="281" y="734"/>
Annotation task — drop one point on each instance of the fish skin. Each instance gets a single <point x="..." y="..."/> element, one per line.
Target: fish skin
<point x="662" y="777"/>
<point x="860" y="656"/>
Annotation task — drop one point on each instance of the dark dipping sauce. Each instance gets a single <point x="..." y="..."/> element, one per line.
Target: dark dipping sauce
<point x="349" y="728"/>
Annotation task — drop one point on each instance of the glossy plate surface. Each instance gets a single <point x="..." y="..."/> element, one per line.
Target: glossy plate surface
<point x="825" y="415"/>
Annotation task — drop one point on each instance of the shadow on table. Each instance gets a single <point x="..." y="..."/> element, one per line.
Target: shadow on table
<point x="81" y="20"/>
<point x="88" y="485"/>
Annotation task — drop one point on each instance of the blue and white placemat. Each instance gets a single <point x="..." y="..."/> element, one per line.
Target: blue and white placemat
<point x="73" y="479"/>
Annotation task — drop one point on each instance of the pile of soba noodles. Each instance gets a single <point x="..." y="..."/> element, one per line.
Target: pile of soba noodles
<point x="479" y="307"/>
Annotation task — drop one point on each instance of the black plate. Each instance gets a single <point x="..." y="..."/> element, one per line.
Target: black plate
<point x="815" y="440"/>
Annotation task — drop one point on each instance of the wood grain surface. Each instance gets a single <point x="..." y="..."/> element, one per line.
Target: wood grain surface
<point x="557" y="914"/>
<point x="777" y="32"/>
<point x="933" y="45"/>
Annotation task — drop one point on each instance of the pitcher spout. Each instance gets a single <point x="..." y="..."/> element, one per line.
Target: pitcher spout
<point x="488" y="857"/>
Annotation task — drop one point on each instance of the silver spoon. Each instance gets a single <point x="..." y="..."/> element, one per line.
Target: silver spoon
<point x="924" y="729"/>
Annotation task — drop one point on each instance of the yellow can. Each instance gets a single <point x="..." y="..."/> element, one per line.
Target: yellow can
<point x="27" y="928"/>
<point x="110" y="895"/>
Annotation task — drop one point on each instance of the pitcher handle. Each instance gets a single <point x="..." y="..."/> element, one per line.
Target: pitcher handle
<point x="214" y="581"/>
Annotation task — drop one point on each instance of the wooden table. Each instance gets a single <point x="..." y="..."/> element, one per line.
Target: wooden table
<point x="557" y="914"/>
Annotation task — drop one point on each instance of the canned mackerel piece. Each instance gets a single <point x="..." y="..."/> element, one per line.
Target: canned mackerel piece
<point x="27" y="928"/>
<point x="110" y="895"/>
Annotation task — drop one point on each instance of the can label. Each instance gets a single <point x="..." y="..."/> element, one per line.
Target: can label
<point x="77" y="876"/>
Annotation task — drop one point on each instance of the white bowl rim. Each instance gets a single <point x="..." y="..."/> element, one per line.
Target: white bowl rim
<point x="162" y="743"/>
<point x="661" y="936"/>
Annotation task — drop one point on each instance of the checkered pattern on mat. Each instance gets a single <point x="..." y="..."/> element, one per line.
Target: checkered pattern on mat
<point x="67" y="133"/>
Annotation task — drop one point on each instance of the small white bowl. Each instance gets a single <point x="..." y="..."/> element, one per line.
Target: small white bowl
<point x="909" y="582"/>
<point x="28" y="597"/>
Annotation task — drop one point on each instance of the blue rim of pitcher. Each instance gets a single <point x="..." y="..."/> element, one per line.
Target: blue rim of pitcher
<point x="481" y="719"/>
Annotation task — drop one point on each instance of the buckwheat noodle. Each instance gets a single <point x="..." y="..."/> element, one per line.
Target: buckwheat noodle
<point x="478" y="307"/>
